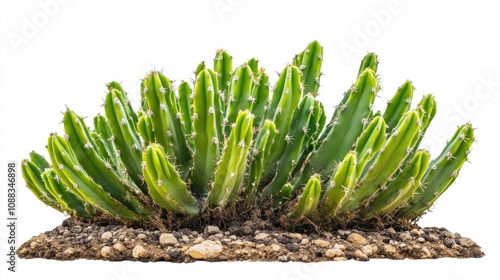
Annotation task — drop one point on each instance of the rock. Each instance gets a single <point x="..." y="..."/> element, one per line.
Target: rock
<point x="356" y="238"/>
<point x="432" y="237"/>
<point x="340" y="259"/>
<point x="275" y="247"/>
<point x="141" y="236"/>
<point x="295" y="235"/>
<point x="415" y="232"/>
<point x="340" y="246"/>
<point x="389" y="249"/>
<point x="327" y="234"/>
<point x="292" y="247"/>
<point x="405" y="237"/>
<point x="68" y="252"/>
<point x="466" y="242"/>
<point x="421" y="239"/>
<point x="334" y="253"/>
<point x="119" y="247"/>
<point x="168" y="239"/>
<point x="427" y="253"/>
<point x="261" y="236"/>
<point x="209" y="230"/>
<point x="205" y="250"/>
<point x="344" y="232"/>
<point x="321" y="243"/>
<point x="283" y="258"/>
<point x="106" y="235"/>
<point x="138" y="252"/>
<point x="106" y="251"/>
<point x="360" y="255"/>
<point x="391" y="230"/>
<point x="185" y="238"/>
<point x="246" y="230"/>
<point x="369" y="250"/>
<point x="33" y="245"/>
<point x="304" y="241"/>
<point x="198" y="240"/>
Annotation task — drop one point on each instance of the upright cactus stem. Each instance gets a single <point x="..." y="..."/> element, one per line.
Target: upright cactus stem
<point x="231" y="168"/>
<point x="166" y="120"/>
<point x="309" y="63"/>
<point x="259" y="99"/>
<point x="165" y="184"/>
<point x="205" y="133"/>
<point x="440" y="174"/>
<point x="186" y="107"/>
<point x="308" y="200"/>
<point x="223" y="67"/>
<point x="240" y="95"/>
<point x="398" y="105"/>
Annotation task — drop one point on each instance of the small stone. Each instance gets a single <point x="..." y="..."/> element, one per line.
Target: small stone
<point x="427" y="253"/>
<point x="292" y="247"/>
<point x="106" y="251"/>
<point x="168" y="239"/>
<point x="327" y="234"/>
<point x="344" y="232"/>
<point x="198" y="240"/>
<point x="106" y="235"/>
<point x="304" y="241"/>
<point x="391" y="230"/>
<point x="360" y="255"/>
<point x="185" y="238"/>
<point x="415" y="232"/>
<point x="434" y="238"/>
<point x="405" y="237"/>
<point x="68" y="252"/>
<point x="205" y="250"/>
<point x="275" y="247"/>
<point x="321" y="243"/>
<point x="283" y="258"/>
<point x="389" y="249"/>
<point x="368" y="250"/>
<point x="421" y="239"/>
<point x="295" y="235"/>
<point x="209" y="230"/>
<point x="261" y="236"/>
<point x="334" y="253"/>
<point x="357" y="239"/>
<point x="33" y="245"/>
<point x="119" y="247"/>
<point x="466" y="242"/>
<point x="246" y="230"/>
<point x="141" y="236"/>
<point x="138" y="252"/>
<point x="449" y="242"/>
<point x="340" y="259"/>
<point x="340" y="246"/>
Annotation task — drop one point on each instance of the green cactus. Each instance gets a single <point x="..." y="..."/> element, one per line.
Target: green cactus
<point x="228" y="142"/>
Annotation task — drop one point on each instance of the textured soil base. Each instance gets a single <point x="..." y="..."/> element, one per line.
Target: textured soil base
<point x="247" y="242"/>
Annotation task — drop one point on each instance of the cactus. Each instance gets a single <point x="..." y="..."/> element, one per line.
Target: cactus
<point x="227" y="142"/>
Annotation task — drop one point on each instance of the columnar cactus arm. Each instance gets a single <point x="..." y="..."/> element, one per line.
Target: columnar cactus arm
<point x="370" y="142"/>
<point x="341" y="186"/>
<point x="389" y="159"/>
<point x="310" y="65"/>
<point x="259" y="156"/>
<point x="231" y="168"/>
<point x="240" y="97"/>
<point x="126" y="139"/>
<point x="347" y="127"/>
<point x="165" y="184"/>
<point x="128" y="105"/>
<point x="205" y="134"/>
<point x="33" y="178"/>
<point x="398" y="105"/>
<point x="85" y="150"/>
<point x="254" y="65"/>
<point x="283" y="195"/>
<point x="145" y="129"/>
<point x="166" y="120"/>
<point x="39" y="161"/>
<point x="440" y="174"/>
<point x="400" y="189"/>
<point x="427" y="110"/>
<point x="260" y="97"/>
<point x="71" y="174"/>
<point x="108" y="149"/>
<point x="223" y="67"/>
<point x="186" y="107"/>
<point x="66" y="199"/>
<point x="302" y="129"/>
<point x="308" y="200"/>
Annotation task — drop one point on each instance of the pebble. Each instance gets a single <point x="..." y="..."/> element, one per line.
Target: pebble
<point x="344" y="232"/>
<point x="70" y="251"/>
<point x="321" y="243"/>
<point x="357" y="239"/>
<point x="295" y="235"/>
<point x="261" y="236"/>
<point x="33" y="245"/>
<point x="434" y="238"/>
<point x="275" y="247"/>
<point x="369" y="250"/>
<point x="334" y="253"/>
<point x="168" y="239"/>
<point x="360" y="255"/>
<point x="105" y="251"/>
<point x="283" y="258"/>
<point x="119" y="247"/>
<point x="389" y="249"/>
<point x="304" y="241"/>
<point x="246" y="230"/>
<point x="405" y="237"/>
<point x="138" y="252"/>
<point x="421" y="239"/>
<point x="426" y="252"/>
<point x="391" y="230"/>
<point x="185" y="238"/>
<point x="340" y="246"/>
<point x="209" y="230"/>
<point x="106" y="235"/>
<point x="141" y="236"/>
<point x="205" y="250"/>
<point x="466" y="242"/>
<point x="198" y="240"/>
<point x="415" y="232"/>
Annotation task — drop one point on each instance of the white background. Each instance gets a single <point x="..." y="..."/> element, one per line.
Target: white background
<point x="63" y="53"/>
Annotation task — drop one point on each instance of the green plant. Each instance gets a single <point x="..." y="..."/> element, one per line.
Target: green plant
<point x="191" y="150"/>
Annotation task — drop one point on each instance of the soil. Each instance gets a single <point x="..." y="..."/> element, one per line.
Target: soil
<point x="248" y="241"/>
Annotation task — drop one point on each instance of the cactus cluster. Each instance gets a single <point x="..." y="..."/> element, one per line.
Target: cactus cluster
<point x="229" y="137"/>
